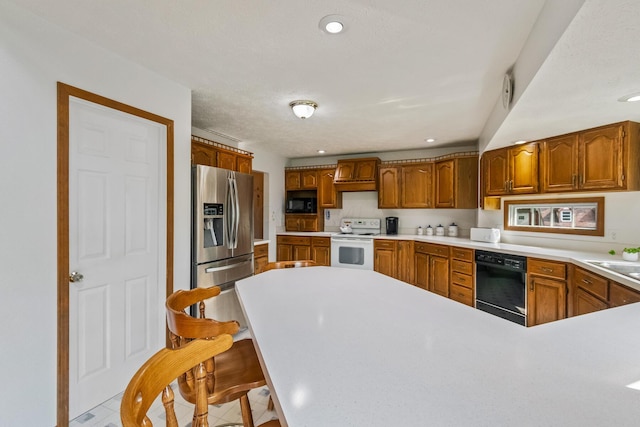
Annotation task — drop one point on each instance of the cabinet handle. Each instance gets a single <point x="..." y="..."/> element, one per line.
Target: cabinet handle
<point x="587" y="281"/>
<point x="510" y="186"/>
<point x="546" y="269"/>
<point x="531" y="284"/>
<point x="506" y="186"/>
<point x="573" y="180"/>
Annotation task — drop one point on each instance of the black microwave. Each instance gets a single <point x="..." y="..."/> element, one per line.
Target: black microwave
<point x="301" y="205"/>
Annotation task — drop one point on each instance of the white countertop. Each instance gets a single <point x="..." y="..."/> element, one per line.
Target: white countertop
<point x="344" y="347"/>
<point x="575" y="257"/>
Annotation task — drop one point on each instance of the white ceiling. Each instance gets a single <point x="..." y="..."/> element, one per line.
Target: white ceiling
<point x="401" y="72"/>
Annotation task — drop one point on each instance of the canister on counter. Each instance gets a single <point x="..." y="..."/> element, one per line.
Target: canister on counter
<point x="429" y="230"/>
<point x="439" y="230"/>
<point x="453" y="230"/>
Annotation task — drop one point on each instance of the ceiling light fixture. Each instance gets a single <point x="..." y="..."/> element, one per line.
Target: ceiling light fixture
<point x="332" y="24"/>
<point x="430" y="140"/>
<point x="630" y="98"/>
<point x="303" y="109"/>
<point x="321" y="151"/>
<point x="521" y="141"/>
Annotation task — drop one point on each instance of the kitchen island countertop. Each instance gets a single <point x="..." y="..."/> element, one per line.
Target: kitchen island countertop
<point x="353" y="348"/>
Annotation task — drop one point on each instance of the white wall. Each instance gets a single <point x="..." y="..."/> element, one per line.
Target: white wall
<point x="34" y="55"/>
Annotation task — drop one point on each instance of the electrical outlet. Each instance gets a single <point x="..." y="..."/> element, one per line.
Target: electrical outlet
<point x="273" y="216"/>
<point x="327" y="214"/>
<point x="614" y="235"/>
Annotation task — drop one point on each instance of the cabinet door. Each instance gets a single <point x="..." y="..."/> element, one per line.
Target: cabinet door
<point x="308" y="223"/>
<point x="388" y="188"/>
<point x="546" y="300"/>
<point x="523" y="169"/>
<point x="404" y="271"/>
<point x="292" y="180"/>
<point x="291" y="223"/>
<point x="584" y="302"/>
<point x="321" y="255"/>
<point x="226" y="160"/>
<point x="309" y="179"/>
<point x="301" y="252"/>
<point x="243" y="164"/>
<point x="559" y="160"/>
<point x="328" y="197"/>
<point x="385" y="252"/>
<point x="621" y="295"/>
<point x="259" y="264"/>
<point x="202" y="154"/>
<point x="345" y="171"/>
<point x="284" y="252"/>
<point x="366" y="170"/>
<point x="601" y="158"/>
<point x="416" y="186"/>
<point x="439" y="275"/>
<point x="495" y="166"/>
<point x="421" y="270"/>
<point x="445" y="184"/>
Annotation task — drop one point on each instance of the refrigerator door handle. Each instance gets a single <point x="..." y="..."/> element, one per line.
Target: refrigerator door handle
<point x="227" y="267"/>
<point x="237" y="210"/>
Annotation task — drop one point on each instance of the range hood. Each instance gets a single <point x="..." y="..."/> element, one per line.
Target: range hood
<point x="357" y="174"/>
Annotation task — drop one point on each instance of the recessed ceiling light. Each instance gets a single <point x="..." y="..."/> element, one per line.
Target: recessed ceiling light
<point x="522" y="141"/>
<point x="321" y="151"/>
<point x="430" y="140"/>
<point x="630" y="98"/>
<point x="332" y="24"/>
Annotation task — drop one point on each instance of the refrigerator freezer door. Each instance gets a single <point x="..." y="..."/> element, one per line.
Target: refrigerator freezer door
<point x="224" y="273"/>
<point x="244" y="220"/>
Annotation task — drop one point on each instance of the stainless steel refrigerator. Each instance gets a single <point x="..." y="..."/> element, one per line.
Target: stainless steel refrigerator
<point x="221" y="235"/>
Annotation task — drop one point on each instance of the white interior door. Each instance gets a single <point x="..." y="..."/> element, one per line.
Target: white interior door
<point x="117" y="243"/>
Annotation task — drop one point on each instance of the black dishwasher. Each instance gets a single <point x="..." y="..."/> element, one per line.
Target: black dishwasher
<point x="501" y="285"/>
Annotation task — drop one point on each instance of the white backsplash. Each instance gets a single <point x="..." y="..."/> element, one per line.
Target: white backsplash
<point x="364" y="204"/>
<point x="621" y="226"/>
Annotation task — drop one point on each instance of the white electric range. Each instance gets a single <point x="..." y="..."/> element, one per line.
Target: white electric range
<point x="354" y="248"/>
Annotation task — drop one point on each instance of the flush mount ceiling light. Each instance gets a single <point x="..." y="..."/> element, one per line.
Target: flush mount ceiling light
<point x="521" y="141"/>
<point x="630" y="98"/>
<point x="332" y="24"/>
<point x="430" y="140"/>
<point x="303" y="109"/>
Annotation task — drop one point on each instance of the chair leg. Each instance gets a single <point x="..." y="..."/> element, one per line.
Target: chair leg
<point x="247" y="417"/>
<point x="270" y="405"/>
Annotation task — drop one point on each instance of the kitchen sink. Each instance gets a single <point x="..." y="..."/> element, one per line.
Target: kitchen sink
<point x="630" y="269"/>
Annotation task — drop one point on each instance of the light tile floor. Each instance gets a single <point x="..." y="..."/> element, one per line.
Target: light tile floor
<point x="108" y="414"/>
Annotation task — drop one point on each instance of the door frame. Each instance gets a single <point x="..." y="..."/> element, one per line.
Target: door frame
<point x="64" y="93"/>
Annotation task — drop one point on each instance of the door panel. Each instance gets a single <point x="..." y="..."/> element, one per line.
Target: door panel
<point x="115" y="222"/>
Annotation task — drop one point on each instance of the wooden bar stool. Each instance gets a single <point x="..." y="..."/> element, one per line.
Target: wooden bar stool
<point x="289" y="264"/>
<point x="229" y="375"/>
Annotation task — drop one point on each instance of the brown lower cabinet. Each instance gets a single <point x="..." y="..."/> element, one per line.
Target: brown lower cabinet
<point x="592" y="292"/>
<point x="298" y="248"/>
<point x="260" y="257"/>
<point x="431" y="267"/>
<point x="546" y="291"/>
<point x="394" y="258"/>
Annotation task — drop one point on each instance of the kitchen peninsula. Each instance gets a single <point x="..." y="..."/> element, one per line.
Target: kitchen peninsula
<point x="354" y="347"/>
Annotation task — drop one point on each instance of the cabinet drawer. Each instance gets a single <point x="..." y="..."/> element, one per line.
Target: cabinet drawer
<point x="261" y="250"/>
<point x="320" y="241"/>
<point x="384" y="244"/>
<point x="421" y="247"/>
<point x="461" y="294"/>
<point x="461" y="254"/>
<point x="592" y="283"/>
<point x="462" y="279"/>
<point x="294" y="240"/>
<point x="462" y="266"/>
<point x="437" y="250"/>
<point x="540" y="267"/>
<point x="620" y="295"/>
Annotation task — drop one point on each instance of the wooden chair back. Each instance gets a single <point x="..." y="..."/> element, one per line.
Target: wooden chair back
<point x="185" y="327"/>
<point x="289" y="264"/>
<point x="156" y="375"/>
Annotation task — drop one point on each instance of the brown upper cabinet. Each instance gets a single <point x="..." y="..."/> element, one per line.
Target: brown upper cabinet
<point x="328" y="197"/>
<point x="603" y="158"/>
<point x="511" y="170"/>
<point x="357" y="174"/>
<point x="210" y="153"/>
<point x="406" y="186"/>
<point x="456" y="183"/>
<point x="301" y="179"/>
